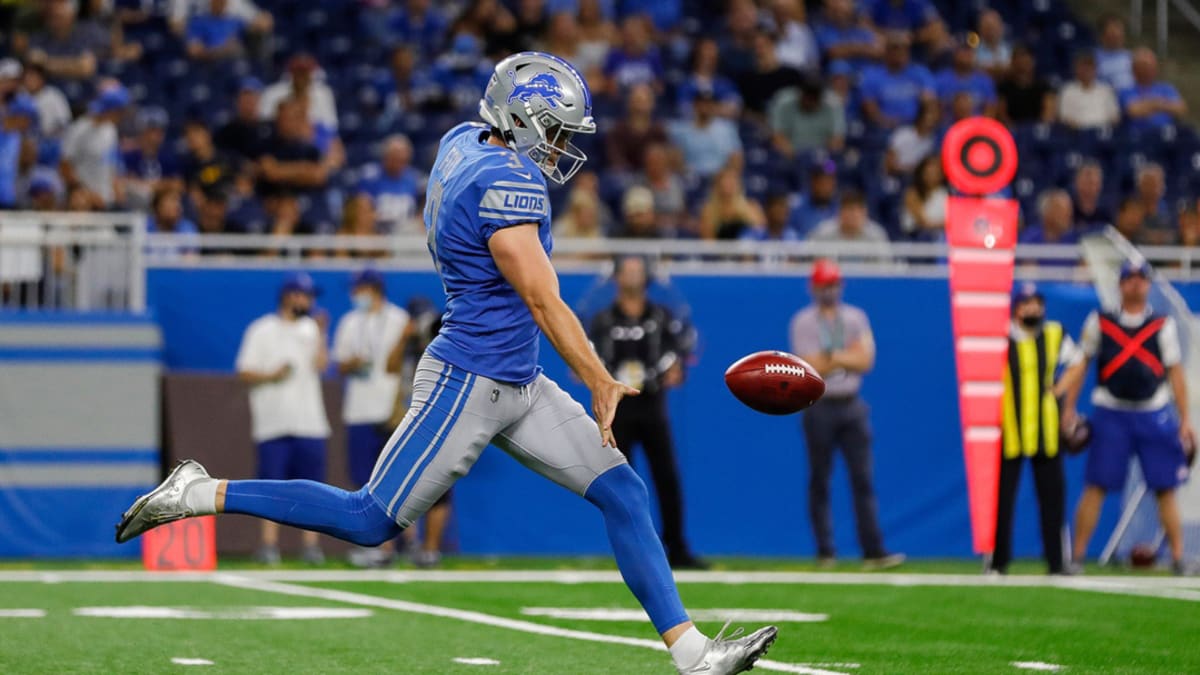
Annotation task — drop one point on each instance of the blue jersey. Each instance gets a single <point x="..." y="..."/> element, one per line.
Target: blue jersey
<point x="476" y="188"/>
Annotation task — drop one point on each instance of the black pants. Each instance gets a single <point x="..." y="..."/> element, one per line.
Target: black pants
<point x="832" y="425"/>
<point x="1051" y="493"/>
<point x="643" y="421"/>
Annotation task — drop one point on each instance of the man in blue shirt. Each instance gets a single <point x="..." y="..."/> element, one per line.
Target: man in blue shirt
<point x="963" y="76"/>
<point x="479" y="382"/>
<point x="1150" y="103"/>
<point x="20" y="119"/>
<point x="917" y="18"/>
<point x="636" y="61"/>
<point x="215" y="36"/>
<point x="394" y="186"/>
<point x="819" y="204"/>
<point x="892" y="94"/>
<point x="839" y="36"/>
<point x="1055" y="226"/>
<point x="151" y="163"/>
<point x="420" y="25"/>
<point x="1114" y="63"/>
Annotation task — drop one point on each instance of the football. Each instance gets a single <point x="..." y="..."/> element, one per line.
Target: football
<point x="775" y="383"/>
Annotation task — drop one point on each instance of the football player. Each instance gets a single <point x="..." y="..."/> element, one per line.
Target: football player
<point x="487" y="216"/>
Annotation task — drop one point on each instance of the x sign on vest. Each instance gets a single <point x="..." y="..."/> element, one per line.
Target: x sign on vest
<point x="1131" y="347"/>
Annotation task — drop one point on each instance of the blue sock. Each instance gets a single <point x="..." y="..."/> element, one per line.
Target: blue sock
<point x="621" y="497"/>
<point x="353" y="516"/>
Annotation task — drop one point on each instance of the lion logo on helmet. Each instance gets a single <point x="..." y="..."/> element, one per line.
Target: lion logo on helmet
<point x="543" y="85"/>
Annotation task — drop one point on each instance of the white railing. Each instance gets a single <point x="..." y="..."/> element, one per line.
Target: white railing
<point x="912" y="259"/>
<point x="72" y="261"/>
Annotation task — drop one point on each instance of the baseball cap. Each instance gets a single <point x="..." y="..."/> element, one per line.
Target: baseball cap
<point x="826" y="272"/>
<point x="250" y="83"/>
<point x="1131" y="268"/>
<point x="1026" y="291"/>
<point x="113" y="98"/>
<point x="152" y="117"/>
<point x="44" y="181"/>
<point x="22" y="105"/>
<point x="298" y="281"/>
<point x="367" y="277"/>
<point x="823" y="167"/>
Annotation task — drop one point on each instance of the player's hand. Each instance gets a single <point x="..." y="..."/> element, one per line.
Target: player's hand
<point x="605" y="397"/>
<point x="281" y="373"/>
<point x="1187" y="436"/>
<point x="1068" y="419"/>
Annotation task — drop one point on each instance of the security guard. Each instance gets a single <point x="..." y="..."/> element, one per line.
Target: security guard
<point x="643" y="346"/>
<point x="1030" y="424"/>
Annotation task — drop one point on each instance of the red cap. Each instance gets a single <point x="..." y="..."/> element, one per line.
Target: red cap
<point x="826" y="272"/>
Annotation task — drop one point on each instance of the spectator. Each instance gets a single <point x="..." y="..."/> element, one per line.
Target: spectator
<point x="459" y="75"/>
<point x="670" y="207"/>
<point x="244" y="135"/>
<point x="1131" y="220"/>
<point x="488" y="21"/>
<point x="728" y="212"/>
<point x="281" y="359"/>
<point x="290" y="163"/>
<point x="1189" y="226"/>
<point x="960" y="109"/>
<point x="912" y="143"/>
<point x="395" y="186"/>
<point x="67" y="50"/>
<point x="20" y="118"/>
<point x="924" y="216"/>
<point x="892" y="93"/>
<point x="993" y="53"/>
<point x="918" y="19"/>
<point x="358" y="220"/>
<point x="635" y="62"/>
<point x="151" y="163"/>
<point x="1113" y="60"/>
<point x="706" y="142"/>
<point x="704" y="76"/>
<point x="804" y="119"/>
<point x="637" y="212"/>
<point x="797" y="46"/>
<point x="89" y="151"/>
<point x="97" y="17"/>
<point x="1025" y="98"/>
<point x="403" y="87"/>
<point x="842" y="90"/>
<point x="1150" y="189"/>
<point x="964" y="76"/>
<point x="852" y="225"/>
<point x="419" y="25"/>
<point x="625" y="143"/>
<point x="1091" y="209"/>
<point x="255" y="19"/>
<point x="44" y="192"/>
<point x="840" y="37"/>
<point x="1054" y="226"/>
<point x="561" y="38"/>
<point x="585" y="218"/>
<point x="737" y="44"/>
<point x="301" y="83"/>
<point x="1150" y="103"/>
<point x="245" y="213"/>
<point x="1085" y="102"/>
<point x="10" y="78"/>
<point x="166" y="213"/>
<point x="778" y="217"/>
<point x="215" y="35"/>
<point x="596" y="35"/>
<point x="767" y="78"/>
<point x="203" y="166"/>
<point x="531" y="22"/>
<point x="211" y="213"/>
<point x="54" y="113"/>
<point x="821" y="201"/>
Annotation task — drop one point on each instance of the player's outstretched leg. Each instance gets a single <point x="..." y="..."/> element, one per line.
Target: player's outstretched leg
<point x="621" y="497"/>
<point x="189" y="491"/>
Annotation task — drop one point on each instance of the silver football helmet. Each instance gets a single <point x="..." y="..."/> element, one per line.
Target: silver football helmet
<point x="538" y="102"/>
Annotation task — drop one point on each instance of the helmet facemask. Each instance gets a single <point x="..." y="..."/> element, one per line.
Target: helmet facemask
<point x="555" y="146"/>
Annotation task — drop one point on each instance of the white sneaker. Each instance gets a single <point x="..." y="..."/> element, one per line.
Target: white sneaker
<point x="733" y="654"/>
<point x="164" y="504"/>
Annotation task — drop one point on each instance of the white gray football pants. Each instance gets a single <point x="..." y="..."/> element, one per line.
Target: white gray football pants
<point x="455" y="414"/>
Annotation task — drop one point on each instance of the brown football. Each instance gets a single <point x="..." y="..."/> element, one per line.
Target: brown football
<point x="775" y="383"/>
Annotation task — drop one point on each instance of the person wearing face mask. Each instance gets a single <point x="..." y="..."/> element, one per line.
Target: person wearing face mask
<point x="836" y="340"/>
<point x="281" y="358"/>
<point x="1037" y="350"/>
<point x="362" y="341"/>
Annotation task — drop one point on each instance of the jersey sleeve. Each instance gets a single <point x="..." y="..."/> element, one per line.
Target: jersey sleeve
<point x="511" y="198"/>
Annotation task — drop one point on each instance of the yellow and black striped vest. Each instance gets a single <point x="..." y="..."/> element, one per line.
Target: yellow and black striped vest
<point x="1030" y="418"/>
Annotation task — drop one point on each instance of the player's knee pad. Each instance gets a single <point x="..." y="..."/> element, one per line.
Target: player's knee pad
<point x="373" y="525"/>
<point x="619" y="488"/>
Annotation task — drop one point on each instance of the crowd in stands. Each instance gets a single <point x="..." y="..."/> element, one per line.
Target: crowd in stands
<point x="727" y="119"/>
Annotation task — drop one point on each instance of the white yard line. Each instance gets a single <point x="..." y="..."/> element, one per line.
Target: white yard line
<point x="1037" y="665"/>
<point x="22" y="613"/>
<point x="476" y="617"/>
<point x="475" y="661"/>
<point x="183" y="661"/>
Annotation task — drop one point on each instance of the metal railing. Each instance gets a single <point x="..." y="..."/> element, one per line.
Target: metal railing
<point x="1162" y="19"/>
<point x="72" y="261"/>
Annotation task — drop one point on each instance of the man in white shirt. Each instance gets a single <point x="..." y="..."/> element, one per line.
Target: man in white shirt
<point x="361" y="344"/>
<point x="303" y="82"/>
<point x="282" y="357"/>
<point x="1086" y="102"/>
<point x="89" y="148"/>
<point x="1140" y="407"/>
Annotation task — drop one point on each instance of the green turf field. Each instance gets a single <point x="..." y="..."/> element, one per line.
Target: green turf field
<point x="414" y="622"/>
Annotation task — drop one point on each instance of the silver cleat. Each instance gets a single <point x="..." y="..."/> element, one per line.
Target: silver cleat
<point x="164" y="504"/>
<point x="733" y="654"/>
